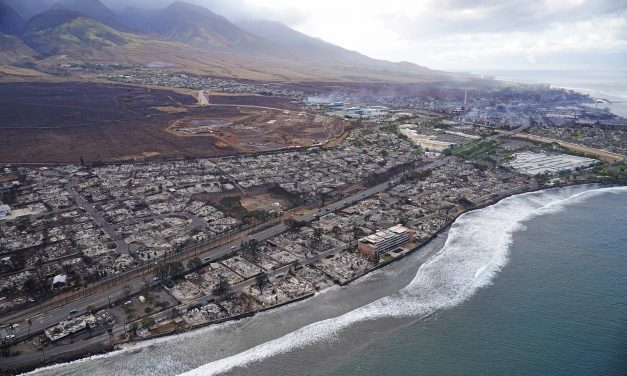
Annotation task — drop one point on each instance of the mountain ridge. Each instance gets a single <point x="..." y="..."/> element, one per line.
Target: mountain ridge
<point x="11" y="22"/>
<point x="195" y="39"/>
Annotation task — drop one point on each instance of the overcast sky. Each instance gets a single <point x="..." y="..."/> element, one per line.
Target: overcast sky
<point x="466" y="35"/>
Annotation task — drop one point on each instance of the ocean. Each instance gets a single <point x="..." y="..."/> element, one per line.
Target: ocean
<point x="610" y="85"/>
<point x="533" y="285"/>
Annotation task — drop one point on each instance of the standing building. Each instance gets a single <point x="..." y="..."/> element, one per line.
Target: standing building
<point x="5" y="210"/>
<point x="385" y="240"/>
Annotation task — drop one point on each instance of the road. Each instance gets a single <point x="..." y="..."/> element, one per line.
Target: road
<point x="522" y="128"/>
<point x="203" y="100"/>
<point x="600" y="153"/>
<point x="605" y="155"/>
<point x="122" y="246"/>
<point x="102" y="299"/>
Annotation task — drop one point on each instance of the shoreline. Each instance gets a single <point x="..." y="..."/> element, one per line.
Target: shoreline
<point x="71" y="356"/>
<point x="101" y="349"/>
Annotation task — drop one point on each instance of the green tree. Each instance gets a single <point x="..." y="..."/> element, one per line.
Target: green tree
<point x="148" y="322"/>
<point x="251" y="250"/>
<point x="194" y="263"/>
<point x="358" y="232"/>
<point x="165" y="270"/>
<point x="223" y="287"/>
<point x="293" y="224"/>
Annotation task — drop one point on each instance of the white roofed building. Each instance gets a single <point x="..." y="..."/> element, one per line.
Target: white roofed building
<point x="385" y="240"/>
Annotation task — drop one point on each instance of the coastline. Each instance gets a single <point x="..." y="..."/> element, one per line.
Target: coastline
<point x="593" y="83"/>
<point x="104" y="350"/>
<point x="441" y="233"/>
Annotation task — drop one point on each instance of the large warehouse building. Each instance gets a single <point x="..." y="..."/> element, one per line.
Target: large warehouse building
<point x="539" y="163"/>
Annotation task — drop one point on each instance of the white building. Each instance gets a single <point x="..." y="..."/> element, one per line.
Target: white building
<point x="427" y="143"/>
<point x="59" y="280"/>
<point x="384" y="241"/>
<point x="5" y="210"/>
<point x="539" y="163"/>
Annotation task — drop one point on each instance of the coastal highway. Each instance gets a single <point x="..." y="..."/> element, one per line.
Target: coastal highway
<point x="605" y="155"/>
<point x="102" y="299"/>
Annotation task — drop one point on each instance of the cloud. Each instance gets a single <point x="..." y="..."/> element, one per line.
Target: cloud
<point x="488" y="34"/>
<point x="435" y="17"/>
<point x="234" y="10"/>
<point x="449" y="34"/>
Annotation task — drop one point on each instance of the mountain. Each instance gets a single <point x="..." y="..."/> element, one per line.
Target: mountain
<point x="10" y="21"/>
<point x="94" y="9"/>
<point x="28" y="8"/>
<point x="66" y="37"/>
<point x="318" y="50"/>
<point x="200" y="27"/>
<point x="69" y="32"/>
<point x="193" y="39"/>
<point x="14" y="51"/>
<point x="297" y="42"/>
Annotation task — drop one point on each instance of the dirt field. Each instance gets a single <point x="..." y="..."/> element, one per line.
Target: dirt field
<point x="45" y="105"/>
<point x="253" y="100"/>
<point x="263" y="201"/>
<point x="261" y="129"/>
<point x="62" y="122"/>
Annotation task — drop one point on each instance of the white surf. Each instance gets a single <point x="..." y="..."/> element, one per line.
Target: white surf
<point x="475" y="251"/>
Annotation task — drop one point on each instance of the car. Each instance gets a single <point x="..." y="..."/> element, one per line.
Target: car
<point x="73" y="311"/>
<point x="10" y="336"/>
<point x="233" y="247"/>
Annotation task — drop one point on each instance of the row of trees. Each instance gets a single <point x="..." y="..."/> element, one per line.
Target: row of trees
<point x="223" y="289"/>
<point x="166" y="270"/>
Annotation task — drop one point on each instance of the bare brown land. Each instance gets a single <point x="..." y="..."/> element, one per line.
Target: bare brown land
<point x="62" y="122"/>
<point x="263" y="201"/>
<point x="261" y="128"/>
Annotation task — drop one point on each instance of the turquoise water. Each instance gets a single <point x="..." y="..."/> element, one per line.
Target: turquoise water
<point x="533" y="285"/>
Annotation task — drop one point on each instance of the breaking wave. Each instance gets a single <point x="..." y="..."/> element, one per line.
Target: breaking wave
<point x="475" y="251"/>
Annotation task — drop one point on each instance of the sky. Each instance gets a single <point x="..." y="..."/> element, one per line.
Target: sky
<point x="468" y="34"/>
<point x="457" y="35"/>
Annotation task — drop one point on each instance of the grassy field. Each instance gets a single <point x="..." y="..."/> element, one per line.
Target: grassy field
<point x="475" y="150"/>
